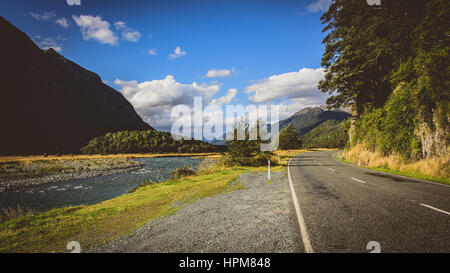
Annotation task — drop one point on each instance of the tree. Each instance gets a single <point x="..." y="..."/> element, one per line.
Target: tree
<point x="362" y="48"/>
<point x="243" y="150"/>
<point x="289" y="138"/>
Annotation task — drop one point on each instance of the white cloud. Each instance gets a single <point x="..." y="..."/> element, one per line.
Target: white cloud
<point x="93" y="27"/>
<point x="300" y="85"/>
<point x="44" y="16"/>
<point x="153" y="100"/>
<point x="47" y="16"/>
<point x="152" y="52"/>
<point x="231" y="93"/>
<point x="63" y="22"/>
<point x="213" y="73"/>
<point x="319" y="5"/>
<point x="73" y="2"/>
<point x="128" y="33"/>
<point x="49" y="42"/>
<point x="177" y="53"/>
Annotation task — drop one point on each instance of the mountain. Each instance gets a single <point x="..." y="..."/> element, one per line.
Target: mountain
<point x="306" y="119"/>
<point x="309" y="118"/>
<point x="329" y="134"/>
<point x="49" y="104"/>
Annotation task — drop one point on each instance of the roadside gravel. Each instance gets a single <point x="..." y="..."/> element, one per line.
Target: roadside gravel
<point x="259" y="218"/>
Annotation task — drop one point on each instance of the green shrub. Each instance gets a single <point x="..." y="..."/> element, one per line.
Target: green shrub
<point x="390" y="129"/>
<point x="253" y="160"/>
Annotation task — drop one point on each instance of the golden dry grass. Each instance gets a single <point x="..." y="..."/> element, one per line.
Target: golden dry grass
<point x="437" y="169"/>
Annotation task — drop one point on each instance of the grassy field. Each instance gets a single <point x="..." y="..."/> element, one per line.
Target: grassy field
<point x="50" y="231"/>
<point x="433" y="169"/>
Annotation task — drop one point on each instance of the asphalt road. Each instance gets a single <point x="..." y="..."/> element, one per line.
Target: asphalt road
<point x="341" y="208"/>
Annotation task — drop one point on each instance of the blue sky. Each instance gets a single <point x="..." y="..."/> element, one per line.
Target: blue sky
<point x="153" y="51"/>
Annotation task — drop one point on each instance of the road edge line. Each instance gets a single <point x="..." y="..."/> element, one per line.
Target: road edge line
<point x="436" y="209"/>
<point x="356" y="179"/>
<point x="301" y="221"/>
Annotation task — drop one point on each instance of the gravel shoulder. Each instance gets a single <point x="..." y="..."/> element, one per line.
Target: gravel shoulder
<point x="257" y="219"/>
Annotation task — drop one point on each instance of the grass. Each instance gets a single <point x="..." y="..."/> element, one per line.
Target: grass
<point x="91" y="225"/>
<point x="432" y="169"/>
<point x="16" y="159"/>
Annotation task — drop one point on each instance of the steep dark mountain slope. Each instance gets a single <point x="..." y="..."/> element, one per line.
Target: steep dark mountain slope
<point x="309" y="118"/>
<point x="49" y="104"/>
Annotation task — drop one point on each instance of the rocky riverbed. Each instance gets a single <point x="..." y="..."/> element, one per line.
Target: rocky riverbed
<point x="19" y="174"/>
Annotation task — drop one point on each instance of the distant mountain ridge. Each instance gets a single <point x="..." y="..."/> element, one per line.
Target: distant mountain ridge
<point x="306" y="120"/>
<point x="49" y="104"/>
<point x="309" y="118"/>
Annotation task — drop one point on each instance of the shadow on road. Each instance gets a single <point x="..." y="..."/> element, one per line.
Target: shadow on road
<point x="395" y="178"/>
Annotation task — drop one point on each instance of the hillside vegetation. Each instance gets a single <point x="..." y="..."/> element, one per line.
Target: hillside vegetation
<point x="150" y="141"/>
<point x="330" y="134"/>
<point x="392" y="65"/>
<point x="309" y="118"/>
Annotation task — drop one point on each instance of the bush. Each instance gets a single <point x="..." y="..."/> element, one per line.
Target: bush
<point x="254" y="160"/>
<point x="390" y="129"/>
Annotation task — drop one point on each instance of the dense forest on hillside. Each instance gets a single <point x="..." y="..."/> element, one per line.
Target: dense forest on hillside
<point x="150" y="141"/>
<point x="330" y="134"/>
<point x="391" y="63"/>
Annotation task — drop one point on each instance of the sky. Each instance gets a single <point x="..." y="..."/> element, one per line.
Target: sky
<point x="159" y="54"/>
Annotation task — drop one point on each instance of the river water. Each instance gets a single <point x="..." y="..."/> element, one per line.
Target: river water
<point x="96" y="189"/>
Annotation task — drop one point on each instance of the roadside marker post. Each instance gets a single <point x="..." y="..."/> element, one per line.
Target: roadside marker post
<point x="268" y="170"/>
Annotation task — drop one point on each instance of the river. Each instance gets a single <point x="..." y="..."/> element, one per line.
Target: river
<point x="93" y="190"/>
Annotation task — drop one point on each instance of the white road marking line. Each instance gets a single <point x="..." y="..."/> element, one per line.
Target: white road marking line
<point x="356" y="179"/>
<point x="301" y="220"/>
<point x="436" y="209"/>
<point x="331" y="170"/>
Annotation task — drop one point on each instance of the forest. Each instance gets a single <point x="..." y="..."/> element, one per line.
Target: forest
<point x="391" y="64"/>
<point x="150" y="141"/>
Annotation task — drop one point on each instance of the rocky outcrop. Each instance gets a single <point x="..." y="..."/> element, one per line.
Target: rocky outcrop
<point x="435" y="141"/>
